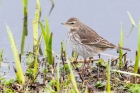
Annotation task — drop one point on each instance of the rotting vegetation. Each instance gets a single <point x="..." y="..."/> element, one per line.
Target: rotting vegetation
<point x="53" y="73"/>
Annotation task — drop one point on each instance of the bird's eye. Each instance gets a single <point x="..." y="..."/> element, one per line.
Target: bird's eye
<point x="72" y="23"/>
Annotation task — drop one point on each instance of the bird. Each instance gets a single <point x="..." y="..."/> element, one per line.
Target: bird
<point x="85" y="41"/>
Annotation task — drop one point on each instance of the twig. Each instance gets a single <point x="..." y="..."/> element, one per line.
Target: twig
<point x="109" y="55"/>
<point x="79" y="74"/>
<point x="81" y="61"/>
<point x="119" y="57"/>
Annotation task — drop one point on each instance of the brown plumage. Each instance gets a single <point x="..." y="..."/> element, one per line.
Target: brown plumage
<point x="85" y="41"/>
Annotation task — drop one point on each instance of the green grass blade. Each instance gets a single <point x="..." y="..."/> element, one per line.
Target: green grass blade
<point x="51" y="7"/>
<point x="48" y="41"/>
<point x="25" y="11"/>
<point x="17" y="74"/>
<point x="44" y="36"/>
<point x="39" y="41"/>
<point x="25" y="24"/>
<point x="36" y="57"/>
<point x="47" y="30"/>
<point x="21" y="77"/>
<point x="121" y="44"/>
<point x="122" y="36"/>
<point x="63" y="48"/>
<point x="137" y="58"/>
<point x="72" y="76"/>
<point x="47" y="33"/>
<point x="108" y="77"/>
<point x="35" y="64"/>
<point x="131" y="19"/>
<point x="139" y="40"/>
<point x="1" y="58"/>
<point x="132" y="22"/>
<point x="35" y="24"/>
<point x="74" y="55"/>
<point x="43" y="32"/>
<point x="49" y="50"/>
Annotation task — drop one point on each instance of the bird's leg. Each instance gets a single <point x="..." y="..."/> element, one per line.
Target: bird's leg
<point x="90" y="60"/>
<point x="99" y="56"/>
<point x="84" y="62"/>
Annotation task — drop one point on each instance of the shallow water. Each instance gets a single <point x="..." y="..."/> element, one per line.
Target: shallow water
<point x="105" y="17"/>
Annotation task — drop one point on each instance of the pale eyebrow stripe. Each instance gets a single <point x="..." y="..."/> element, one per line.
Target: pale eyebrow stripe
<point x="72" y="22"/>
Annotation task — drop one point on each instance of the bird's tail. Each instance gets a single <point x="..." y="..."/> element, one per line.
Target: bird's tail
<point x="124" y="48"/>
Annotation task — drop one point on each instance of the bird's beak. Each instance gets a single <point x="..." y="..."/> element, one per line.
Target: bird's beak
<point x="63" y="23"/>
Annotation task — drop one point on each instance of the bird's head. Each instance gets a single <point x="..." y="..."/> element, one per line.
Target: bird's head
<point x="72" y="23"/>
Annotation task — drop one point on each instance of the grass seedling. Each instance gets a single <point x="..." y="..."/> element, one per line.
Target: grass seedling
<point x="48" y="41"/>
<point x="25" y="24"/>
<point x="63" y="48"/>
<point x="132" y="22"/>
<point x="47" y="28"/>
<point x="121" y="44"/>
<point x="36" y="57"/>
<point x="36" y="23"/>
<point x="131" y="19"/>
<point x="137" y="58"/>
<point x="20" y="74"/>
<point x="139" y="40"/>
<point x="74" y="55"/>
<point x="108" y="76"/>
<point x="49" y="50"/>
<point x="72" y="77"/>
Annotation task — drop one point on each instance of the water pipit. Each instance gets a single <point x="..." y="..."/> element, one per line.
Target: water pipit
<point x="85" y="41"/>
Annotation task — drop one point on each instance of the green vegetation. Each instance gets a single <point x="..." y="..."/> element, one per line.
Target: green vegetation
<point x="25" y="24"/>
<point x="132" y="22"/>
<point x="121" y="45"/>
<point x="108" y="76"/>
<point x="19" y="71"/>
<point x="1" y="58"/>
<point x="63" y="74"/>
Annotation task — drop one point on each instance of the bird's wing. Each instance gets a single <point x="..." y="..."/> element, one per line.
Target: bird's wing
<point x="90" y="37"/>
